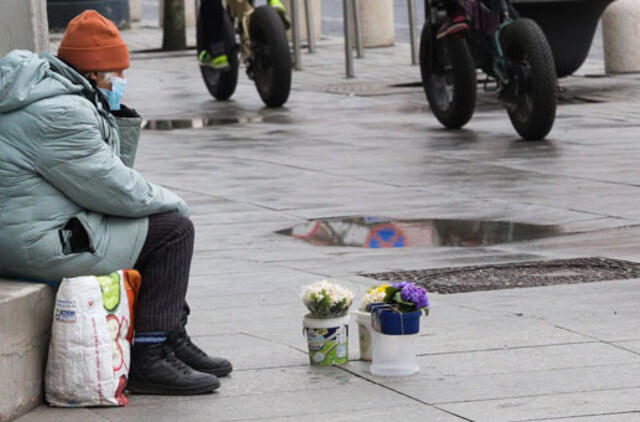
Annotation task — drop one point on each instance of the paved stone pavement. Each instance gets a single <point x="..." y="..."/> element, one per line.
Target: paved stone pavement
<point x="357" y="147"/>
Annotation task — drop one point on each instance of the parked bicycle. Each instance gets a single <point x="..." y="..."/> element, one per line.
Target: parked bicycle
<point x="258" y="39"/>
<point x="461" y="35"/>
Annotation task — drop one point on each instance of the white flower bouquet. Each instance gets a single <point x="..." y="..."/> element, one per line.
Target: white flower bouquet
<point x="327" y="300"/>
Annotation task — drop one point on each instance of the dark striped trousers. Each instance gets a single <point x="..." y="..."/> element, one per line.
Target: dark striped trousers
<point x="164" y="264"/>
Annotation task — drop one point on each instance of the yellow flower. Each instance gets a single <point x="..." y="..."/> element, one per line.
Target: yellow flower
<point x="382" y="289"/>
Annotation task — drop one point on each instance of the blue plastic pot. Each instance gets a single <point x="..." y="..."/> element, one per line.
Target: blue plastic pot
<point x="387" y="321"/>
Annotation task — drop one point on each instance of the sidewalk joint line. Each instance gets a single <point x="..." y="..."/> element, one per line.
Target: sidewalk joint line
<point x="555" y="418"/>
<point x="386" y="387"/>
<point x="560" y="393"/>
<point x="268" y="368"/>
<point x="274" y="342"/>
<point x="496" y="349"/>
<point x="327" y="173"/>
<point x="609" y="343"/>
<point x="534" y="171"/>
<point x="224" y="198"/>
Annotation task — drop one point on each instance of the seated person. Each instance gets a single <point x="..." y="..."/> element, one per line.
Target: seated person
<point x="69" y="206"/>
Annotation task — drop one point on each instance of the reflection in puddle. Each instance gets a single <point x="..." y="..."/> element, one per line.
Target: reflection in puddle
<point x="374" y="232"/>
<point x="199" y="122"/>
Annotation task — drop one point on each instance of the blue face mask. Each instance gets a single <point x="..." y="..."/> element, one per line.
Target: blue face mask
<point x="115" y="94"/>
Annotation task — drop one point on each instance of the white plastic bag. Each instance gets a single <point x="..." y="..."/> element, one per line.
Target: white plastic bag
<point x="88" y="362"/>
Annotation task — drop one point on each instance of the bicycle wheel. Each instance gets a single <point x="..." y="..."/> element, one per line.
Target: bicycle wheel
<point x="448" y="78"/>
<point x="271" y="61"/>
<point x="532" y="94"/>
<point x="222" y="84"/>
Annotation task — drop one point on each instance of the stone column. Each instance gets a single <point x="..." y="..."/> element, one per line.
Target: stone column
<point x="24" y="26"/>
<point x="621" y="36"/>
<point x="316" y="14"/>
<point x="377" y="23"/>
<point x="26" y="312"/>
<point x="135" y="10"/>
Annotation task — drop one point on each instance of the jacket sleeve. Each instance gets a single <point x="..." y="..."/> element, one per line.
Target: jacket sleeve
<point x="129" y="122"/>
<point x="74" y="158"/>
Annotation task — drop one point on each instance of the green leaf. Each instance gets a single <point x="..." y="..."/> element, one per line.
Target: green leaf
<point x="391" y="292"/>
<point x="405" y="309"/>
<point x="398" y="299"/>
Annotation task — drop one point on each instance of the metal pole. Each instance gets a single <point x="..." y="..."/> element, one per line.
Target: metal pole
<point x="311" y="35"/>
<point x="295" y="28"/>
<point x="196" y="3"/>
<point x="348" y="42"/>
<point x="358" y="28"/>
<point x="412" y="29"/>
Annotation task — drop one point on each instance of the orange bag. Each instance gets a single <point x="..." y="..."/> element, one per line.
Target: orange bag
<point x="132" y="283"/>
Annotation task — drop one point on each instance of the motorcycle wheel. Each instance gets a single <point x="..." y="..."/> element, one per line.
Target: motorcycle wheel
<point x="271" y="61"/>
<point x="222" y="84"/>
<point x="531" y="68"/>
<point x="448" y="78"/>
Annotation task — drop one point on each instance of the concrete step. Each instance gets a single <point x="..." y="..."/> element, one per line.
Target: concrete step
<point x="25" y="324"/>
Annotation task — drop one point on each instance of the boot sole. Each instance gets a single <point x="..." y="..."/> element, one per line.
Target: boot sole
<point x="219" y="372"/>
<point x="165" y="390"/>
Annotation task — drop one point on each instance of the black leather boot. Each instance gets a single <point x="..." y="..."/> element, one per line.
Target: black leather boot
<point x="155" y="369"/>
<point x="193" y="356"/>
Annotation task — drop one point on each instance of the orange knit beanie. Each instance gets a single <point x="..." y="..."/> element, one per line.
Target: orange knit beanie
<point x="92" y="43"/>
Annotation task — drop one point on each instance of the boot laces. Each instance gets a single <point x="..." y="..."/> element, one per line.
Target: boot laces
<point x="170" y="356"/>
<point x="185" y="341"/>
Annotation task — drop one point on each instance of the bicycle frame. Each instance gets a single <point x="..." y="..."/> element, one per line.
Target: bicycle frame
<point x="490" y="43"/>
<point x="242" y="11"/>
<point x="501" y="8"/>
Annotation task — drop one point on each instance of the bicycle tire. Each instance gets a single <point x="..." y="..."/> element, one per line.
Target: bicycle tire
<point x="272" y="58"/>
<point x="524" y="38"/>
<point x="222" y="84"/>
<point x="462" y="103"/>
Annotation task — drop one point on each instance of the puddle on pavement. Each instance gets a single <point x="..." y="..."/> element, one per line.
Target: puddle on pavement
<point x="199" y="122"/>
<point x="207" y="121"/>
<point x="375" y="232"/>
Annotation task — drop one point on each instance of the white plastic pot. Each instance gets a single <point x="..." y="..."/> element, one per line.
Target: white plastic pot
<point x="328" y="340"/>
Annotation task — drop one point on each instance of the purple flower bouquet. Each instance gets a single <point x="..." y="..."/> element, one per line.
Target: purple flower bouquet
<point x="407" y="297"/>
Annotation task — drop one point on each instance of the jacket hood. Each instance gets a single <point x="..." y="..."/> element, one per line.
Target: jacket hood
<point x="26" y="78"/>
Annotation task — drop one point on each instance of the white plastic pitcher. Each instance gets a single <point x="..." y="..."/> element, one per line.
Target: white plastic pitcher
<point x="365" y="333"/>
<point x="394" y="356"/>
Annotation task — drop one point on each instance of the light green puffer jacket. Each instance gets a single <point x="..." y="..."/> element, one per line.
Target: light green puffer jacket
<point x="60" y="159"/>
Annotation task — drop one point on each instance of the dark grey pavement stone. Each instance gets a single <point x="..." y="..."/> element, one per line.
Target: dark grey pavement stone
<point x="515" y="275"/>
